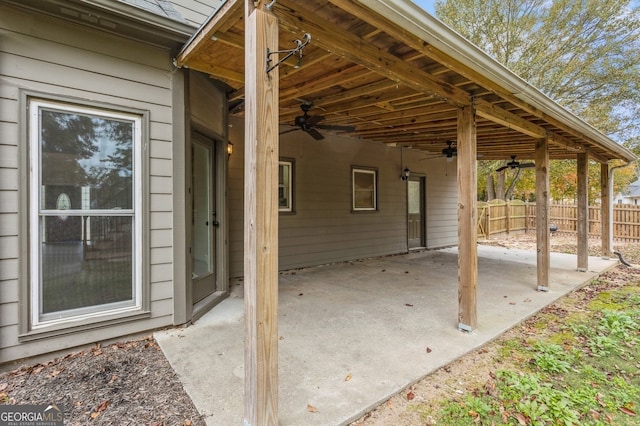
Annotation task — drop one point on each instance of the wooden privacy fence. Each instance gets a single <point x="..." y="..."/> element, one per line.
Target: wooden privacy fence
<point x="503" y="217"/>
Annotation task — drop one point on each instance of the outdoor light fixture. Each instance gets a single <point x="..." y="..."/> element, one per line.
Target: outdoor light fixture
<point x="405" y="174"/>
<point x="229" y="148"/>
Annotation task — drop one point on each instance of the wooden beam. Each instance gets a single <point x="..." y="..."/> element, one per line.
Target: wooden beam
<point x="227" y="14"/>
<point x="583" y="211"/>
<point x="261" y="221"/>
<point x="363" y="53"/>
<point x="543" y="261"/>
<point x="402" y="35"/>
<point x="467" y="221"/>
<point x="501" y="116"/>
<point x="605" y="211"/>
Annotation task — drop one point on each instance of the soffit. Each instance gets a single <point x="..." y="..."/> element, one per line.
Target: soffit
<point x="363" y="70"/>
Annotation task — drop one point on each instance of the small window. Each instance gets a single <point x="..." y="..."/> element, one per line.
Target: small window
<point x="364" y="189"/>
<point x="85" y="219"/>
<point x="285" y="186"/>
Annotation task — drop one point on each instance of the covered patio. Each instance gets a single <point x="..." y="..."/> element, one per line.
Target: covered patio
<point x="384" y="322"/>
<point x="387" y="72"/>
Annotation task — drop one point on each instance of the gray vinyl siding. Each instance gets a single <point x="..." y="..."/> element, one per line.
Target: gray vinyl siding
<point x="58" y="59"/>
<point x="323" y="228"/>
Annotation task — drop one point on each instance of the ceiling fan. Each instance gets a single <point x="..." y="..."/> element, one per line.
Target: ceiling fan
<point x="450" y="151"/>
<point x="513" y="164"/>
<point x="309" y="123"/>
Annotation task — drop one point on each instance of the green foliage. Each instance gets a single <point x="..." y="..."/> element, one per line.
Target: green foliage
<point x="583" y="54"/>
<point x="551" y="358"/>
<point x="591" y="379"/>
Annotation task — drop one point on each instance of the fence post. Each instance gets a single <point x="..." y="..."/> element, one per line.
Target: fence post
<point x="488" y="219"/>
<point x="508" y="214"/>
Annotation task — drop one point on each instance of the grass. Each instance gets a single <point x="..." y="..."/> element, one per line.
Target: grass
<point x="580" y="367"/>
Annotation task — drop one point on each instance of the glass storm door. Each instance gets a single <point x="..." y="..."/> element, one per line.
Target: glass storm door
<point x="203" y="219"/>
<point x="415" y="212"/>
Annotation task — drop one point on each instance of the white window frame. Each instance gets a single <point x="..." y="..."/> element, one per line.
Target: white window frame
<point x="374" y="173"/>
<point x="289" y="208"/>
<point x="135" y="304"/>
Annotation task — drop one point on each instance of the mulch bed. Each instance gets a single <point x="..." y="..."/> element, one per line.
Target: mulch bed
<point x="129" y="383"/>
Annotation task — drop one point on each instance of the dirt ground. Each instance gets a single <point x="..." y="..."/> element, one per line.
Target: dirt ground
<point x="131" y="383"/>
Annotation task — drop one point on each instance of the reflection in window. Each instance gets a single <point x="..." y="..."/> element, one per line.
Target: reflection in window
<point x="84" y="220"/>
<point x="285" y="186"/>
<point x="364" y="189"/>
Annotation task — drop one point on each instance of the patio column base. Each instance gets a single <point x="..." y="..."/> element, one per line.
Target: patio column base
<point x="543" y="288"/>
<point x="464" y="327"/>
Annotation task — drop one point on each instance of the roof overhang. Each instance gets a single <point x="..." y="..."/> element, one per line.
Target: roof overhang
<point x="398" y="75"/>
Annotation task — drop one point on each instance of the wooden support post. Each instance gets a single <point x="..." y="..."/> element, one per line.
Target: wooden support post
<point x="583" y="212"/>
<point x="467" y="212"/>
<point x="260" y="221"/>
<point x="543" y="261"/>
<point x="605" y="211"/>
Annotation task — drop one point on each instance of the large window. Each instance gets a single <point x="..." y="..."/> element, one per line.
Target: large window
<point x="364" y="190"/>
<point x="85" y="233"/>
<point x="285" y="186"/>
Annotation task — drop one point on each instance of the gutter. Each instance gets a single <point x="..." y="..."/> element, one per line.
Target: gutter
<point x="116" y="17"/>
<point x="418" y="22"/>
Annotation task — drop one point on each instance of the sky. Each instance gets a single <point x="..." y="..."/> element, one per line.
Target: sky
<point x="427" y="5"/>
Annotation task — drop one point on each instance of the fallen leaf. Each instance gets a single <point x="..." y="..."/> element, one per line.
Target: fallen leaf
<point x="103" y="406"/>
<point x="512" y="303"/>
<point x="187" y="423"/>
<point x="349" y="376"/>
<point x="628" y="411"/>
<point x="429" y="350"/>
<point x="521" y="419"/>
<point x="281" y="338"/>
<point x="409" y="305"/>
<point x="95" y="414"/>
<point x="410" y="395"/>
<point x="311" y="408"/>
<point x="527" y="300"/>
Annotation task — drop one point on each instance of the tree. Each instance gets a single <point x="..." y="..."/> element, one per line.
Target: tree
<point x="584" y="54"/>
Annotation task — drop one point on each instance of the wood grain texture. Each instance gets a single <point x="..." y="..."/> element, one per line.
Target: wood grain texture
<point x="583" y="211"/>
<point x="261" y="222"/>
<point x="467" y="221"/>
<point x="543" y="261"/>
<point x="606" y="210"/>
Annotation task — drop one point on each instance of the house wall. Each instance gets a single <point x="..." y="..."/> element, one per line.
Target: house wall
<point x="323" y="228"/>
<point x="52" y="57"/>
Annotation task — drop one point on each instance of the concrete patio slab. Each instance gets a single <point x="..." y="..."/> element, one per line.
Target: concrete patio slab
<point x="371" y="320"/>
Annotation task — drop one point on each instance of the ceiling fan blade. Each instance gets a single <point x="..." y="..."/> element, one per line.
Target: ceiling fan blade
<point x="315" y="134"/>
<point x="312" y="120"/>
<point x="289" y="130"/>
<point x="527" y="165"/>
<point x="335" y="127"/>
<point x="499" y="169"/>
